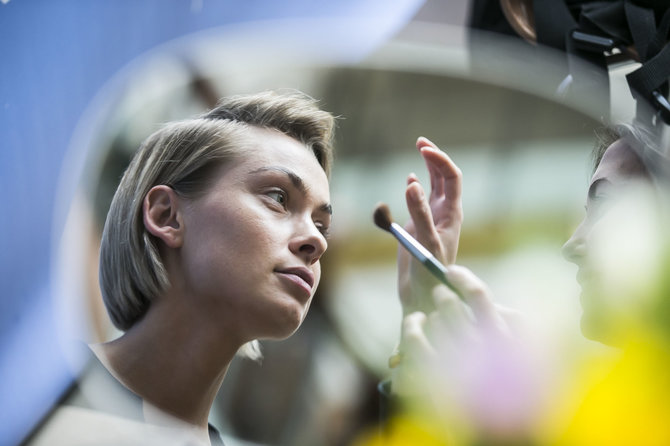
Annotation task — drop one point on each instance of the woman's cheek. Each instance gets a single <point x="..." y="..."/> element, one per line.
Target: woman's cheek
<point x="625" y="248"/>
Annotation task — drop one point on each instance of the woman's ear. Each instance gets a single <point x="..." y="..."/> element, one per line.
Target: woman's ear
<point x="162" y="215"/>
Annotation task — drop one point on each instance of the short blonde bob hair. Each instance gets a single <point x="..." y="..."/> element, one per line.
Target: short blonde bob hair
<point x="184" y="155"/>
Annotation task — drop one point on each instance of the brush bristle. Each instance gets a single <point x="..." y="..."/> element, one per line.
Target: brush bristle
<point x="382" y="217"/>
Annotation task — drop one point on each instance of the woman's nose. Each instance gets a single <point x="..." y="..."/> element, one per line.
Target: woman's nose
<point x="575" y="248"/>
<point x="309" y="243"/>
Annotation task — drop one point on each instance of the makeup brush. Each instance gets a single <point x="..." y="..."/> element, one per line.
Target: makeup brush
<point x="382" y="218"/>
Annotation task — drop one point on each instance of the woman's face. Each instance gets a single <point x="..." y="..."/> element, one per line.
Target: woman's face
<point x="252" y="243"/>
<point x="610" y="243"/>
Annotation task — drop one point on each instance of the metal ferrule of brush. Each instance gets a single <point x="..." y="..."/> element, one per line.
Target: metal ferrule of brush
<point x="424" y="256"/>
<point x="419" y="251"/>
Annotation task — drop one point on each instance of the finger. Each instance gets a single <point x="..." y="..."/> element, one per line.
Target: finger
<point x="449" y="306"/>
<point x="474" y="292"/>
<point x="514" y="320"/>
<point x="437" y="186"/>
<point x="446" y="336"/>
<point x="436" y="181"/>
<point x="447" y="172"/>
<point x="443" y="170"/>
<point x="455" y="318"/>
<point x="422" y="141"/>
<point x="414" y="340"/>
<point x="411" y="178"/>
<point x="439" y="331"/>
<point x="422" y="217"/>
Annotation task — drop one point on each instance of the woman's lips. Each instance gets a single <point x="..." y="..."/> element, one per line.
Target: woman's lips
<point x="301" y="277"/>
<point x="586" y="277"/>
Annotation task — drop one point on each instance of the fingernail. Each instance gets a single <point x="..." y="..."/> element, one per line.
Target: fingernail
<point x="425" y="140"/>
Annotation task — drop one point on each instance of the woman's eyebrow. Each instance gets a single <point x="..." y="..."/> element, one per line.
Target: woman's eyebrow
<point x="298" y="183"/>
<point x="327" y="208"/>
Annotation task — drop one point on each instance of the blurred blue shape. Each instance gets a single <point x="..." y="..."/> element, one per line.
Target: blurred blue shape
<point x="55" y="58"/>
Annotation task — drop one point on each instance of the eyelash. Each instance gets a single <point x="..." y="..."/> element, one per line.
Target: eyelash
<point x="598" y="204"/>
<point x="325" y="231"/>
<point x="279" y="193"/>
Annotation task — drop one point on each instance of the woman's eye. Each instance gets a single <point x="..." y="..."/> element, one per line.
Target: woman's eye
<point x="600" y="204"/>
<point x="601" y="197"/>
<point x="279" y="196"/>
<point x="324" y="230"/>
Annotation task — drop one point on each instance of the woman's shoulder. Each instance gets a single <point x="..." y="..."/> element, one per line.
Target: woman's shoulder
<point x="73" y="426"/>
<point x="97" y="409"/>
<point x="97" y="389"/>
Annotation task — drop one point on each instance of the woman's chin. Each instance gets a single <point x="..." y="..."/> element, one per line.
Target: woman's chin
<point x="284" y="323"/>
<point x="598" y="330"/>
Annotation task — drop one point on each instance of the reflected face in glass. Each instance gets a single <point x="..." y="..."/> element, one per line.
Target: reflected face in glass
<point x="253" y="242"/>
<point x="600" y="246"/>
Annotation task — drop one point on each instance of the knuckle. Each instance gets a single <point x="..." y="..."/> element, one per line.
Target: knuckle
<point x="476" y="292"/>
<point x="444" y="299"/>
<point x="413" y="322"/>
<point x="424" y="209"/>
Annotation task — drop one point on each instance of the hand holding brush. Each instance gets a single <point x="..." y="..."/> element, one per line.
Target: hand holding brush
<point x="435" y="314"/>
<point x="435" y="223"/>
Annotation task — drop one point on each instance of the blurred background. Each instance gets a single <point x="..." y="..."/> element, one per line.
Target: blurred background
<point x="82" y="84"/>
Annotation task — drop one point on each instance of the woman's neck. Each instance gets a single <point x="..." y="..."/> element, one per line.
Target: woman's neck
<point x="172" y="359"/>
